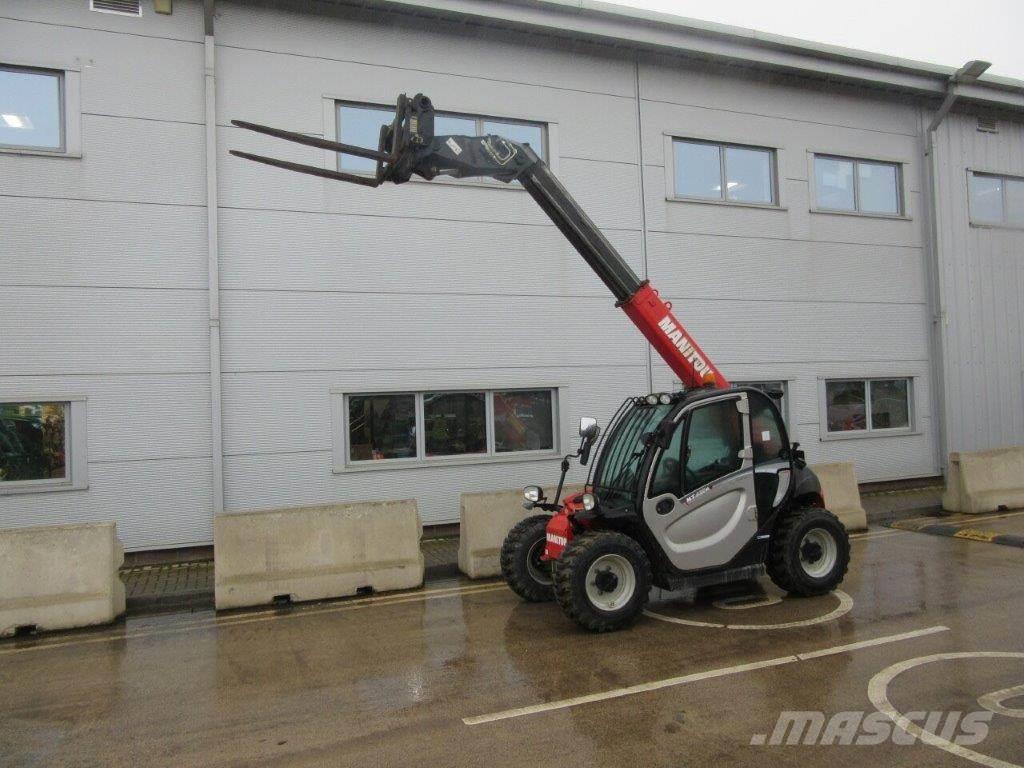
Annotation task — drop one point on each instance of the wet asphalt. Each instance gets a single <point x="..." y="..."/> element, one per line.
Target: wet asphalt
<point x="464" y="674"/>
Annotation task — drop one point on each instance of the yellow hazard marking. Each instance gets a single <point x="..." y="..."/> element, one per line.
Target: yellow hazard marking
<point x="974" y="535"/>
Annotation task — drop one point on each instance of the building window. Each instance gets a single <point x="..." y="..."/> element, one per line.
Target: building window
<point x="426" y="427"/>
<point x="360" y="124"/>
<point x="777" y="390"/>
<point x="724" y="172"/>
<point x="868" y="406"/>
<point x="31" y="109"/>
<point x="42" y="445"/>
<point x="857" y="186"/>
<point x="997" y="200"/>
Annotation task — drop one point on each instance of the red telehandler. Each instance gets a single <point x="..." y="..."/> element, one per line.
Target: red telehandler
<point x="688" y="489"/>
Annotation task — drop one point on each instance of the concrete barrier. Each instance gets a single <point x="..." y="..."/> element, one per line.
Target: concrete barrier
<point x="313" y="553"/>
<point x="484" y="521"/>
<point x="985" y="481"/>
<point x="60" y="577"/>
<point x="842" y="496"/>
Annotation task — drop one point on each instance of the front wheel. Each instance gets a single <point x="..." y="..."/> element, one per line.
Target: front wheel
<point x="525" y="573"/>
<point x="810" y="552"/>
<point x="602" y="580"/>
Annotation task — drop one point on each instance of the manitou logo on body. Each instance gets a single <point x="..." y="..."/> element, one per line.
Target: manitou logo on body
<point x="678" y="338"/>
<point x="560" y="541"/>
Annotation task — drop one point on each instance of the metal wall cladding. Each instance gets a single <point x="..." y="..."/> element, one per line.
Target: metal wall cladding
<point x="328" y="287"/>
<point x="982" y="274"/>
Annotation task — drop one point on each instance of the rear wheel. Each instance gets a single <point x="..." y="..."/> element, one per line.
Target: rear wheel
<point x="526" y="574"/>
<point x="602" y="580"/>
<point x="810" y="552"/>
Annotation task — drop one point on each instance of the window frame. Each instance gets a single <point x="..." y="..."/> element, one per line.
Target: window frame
<point x="546" y="126"/>
<point x="901" y="186"/>
<point x="870" y="431"/>
<point x="775" y="161"/>
<point x="1004" y="177"/>
<point x="342" y="463"/>
<point x="76" y="451"/>
<point x="70" y="95"/>
<point x="783" y="406"/>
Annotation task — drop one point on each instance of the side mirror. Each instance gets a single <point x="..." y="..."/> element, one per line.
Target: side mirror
<point x="589" y="432"/>
<point x="589" y="428"/>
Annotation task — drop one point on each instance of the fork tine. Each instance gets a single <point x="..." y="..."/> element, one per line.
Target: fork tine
<point x="326" y="173"/>
<point x="312" y="141"/>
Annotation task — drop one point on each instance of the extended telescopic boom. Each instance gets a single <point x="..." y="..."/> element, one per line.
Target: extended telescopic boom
<point x="409" y="147"/>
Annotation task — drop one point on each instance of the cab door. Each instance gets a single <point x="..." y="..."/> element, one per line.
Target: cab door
<point x="700" y="501"/>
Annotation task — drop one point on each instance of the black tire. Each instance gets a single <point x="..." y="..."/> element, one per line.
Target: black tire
<point x="810" y="552"/>
<point x="573" y="568"/>
<point x="524" y="572"/>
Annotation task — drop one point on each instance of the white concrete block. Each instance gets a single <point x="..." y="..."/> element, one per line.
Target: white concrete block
<point x="484" y="521"/>
<point x="313" y="553"/>
<point x="842" y="496"/>
<point x="985" y="481"/>
<point x="60" y="576"/>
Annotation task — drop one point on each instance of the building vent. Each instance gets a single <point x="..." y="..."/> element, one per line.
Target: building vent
<point x="988" y="125"/>
<point x="123" y="7"/>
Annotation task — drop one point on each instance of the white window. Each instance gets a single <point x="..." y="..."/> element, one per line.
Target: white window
<point x="858" y="186"/>
<point x="868" y="406"/>
<point x="997" y="200"/>
<point x="39" y="110"/>
<point x="395" y="428"/>
<point x="359" y="125"/>
<point x="732" y="173"/>
<point x="42" y="445"/>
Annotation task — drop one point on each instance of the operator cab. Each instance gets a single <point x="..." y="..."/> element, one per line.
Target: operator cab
<point x="706" y="470"/>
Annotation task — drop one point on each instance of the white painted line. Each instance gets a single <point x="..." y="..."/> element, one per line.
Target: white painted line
<point x="871" y="643"/>
<point x="631" y="690"/>
<point x="845" y="604"/>
<point x="656" y="685"/>
<point x="878" y="692"/>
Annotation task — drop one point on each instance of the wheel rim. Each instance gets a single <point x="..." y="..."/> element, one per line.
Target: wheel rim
<point x="611" y="582"/>
<point x="818" y="553"/>
<point x="539" y="570"/>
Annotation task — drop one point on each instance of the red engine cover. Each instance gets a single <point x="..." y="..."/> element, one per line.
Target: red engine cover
<point x="559" y="530"/>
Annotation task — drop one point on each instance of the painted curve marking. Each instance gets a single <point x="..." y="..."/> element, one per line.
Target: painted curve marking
<point x="845" y="604"/>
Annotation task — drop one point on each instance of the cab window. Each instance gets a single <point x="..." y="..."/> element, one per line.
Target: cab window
<point x="714" y="440"/>
<point x="767" y="433"/>
<point x="668" y="476"/>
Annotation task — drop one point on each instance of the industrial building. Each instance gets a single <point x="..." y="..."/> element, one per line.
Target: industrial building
<point x="184" y="333"/>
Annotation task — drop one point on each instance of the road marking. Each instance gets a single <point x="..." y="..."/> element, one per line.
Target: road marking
<point x="845" y="604"/>
<point x="691" y="678"/>
<point x="993" y="702"/>
<point x="878" y="692"/>
<point x="261" y="616"/>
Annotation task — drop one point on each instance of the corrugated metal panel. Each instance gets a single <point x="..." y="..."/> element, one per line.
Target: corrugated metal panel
<point x="412" y="46"/>
<point x="124" y="159"/>
<point x="319" y="252"/>
<point x="132" y="418"/>
<point x="288" y="91"/>
<point x="102" y="244"/>
<point x="278" y="331"/>
<point x="982" y="271"/>
<point x="766" y="269"/>
<point x="129" y="74"/>
<point x="185" y="24"/>
<point x="161" y="503"/>
<point x="102" y="331"/>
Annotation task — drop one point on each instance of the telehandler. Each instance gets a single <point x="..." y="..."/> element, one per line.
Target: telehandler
<point x="688" y="489"/>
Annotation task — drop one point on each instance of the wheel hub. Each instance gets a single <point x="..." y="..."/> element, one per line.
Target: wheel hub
<point x="606" y="581"/>
<point x="818" y="553"/>
<point x="811" y="552"/>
